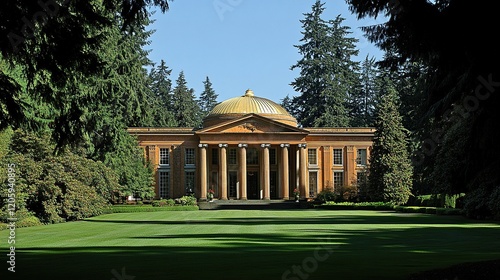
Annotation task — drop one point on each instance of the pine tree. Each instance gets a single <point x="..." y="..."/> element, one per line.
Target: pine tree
<point x="390" y="171"/>
<point x="186" y="109"/>
<point x="327" y="73"/>
<point x="362" y="100"/>
<point x="208" y="98"/>
<point x="160" y="99"/>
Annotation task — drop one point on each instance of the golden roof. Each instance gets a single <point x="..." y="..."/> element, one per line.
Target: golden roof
<point x="248" y="104"/>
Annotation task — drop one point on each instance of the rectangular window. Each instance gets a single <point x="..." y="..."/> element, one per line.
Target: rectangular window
<point x="272" y="156"/>
<point x="338" y="179"/>
<point x="164" y="184"/>
<point x="252" y="156"/>
<point x="190" y="157"/>
<point x="361" y="159"/>
<point x="338" y="157"/>
<point x="164" y="156"/>
<point x="312" y="156"/>
<point x="231" y="157"/>
<point x="313" y="184"/>
<point x="215" y="156"/>
<point x="189" y="180"/>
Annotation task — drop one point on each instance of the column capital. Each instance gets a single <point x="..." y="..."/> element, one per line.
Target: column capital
<point x="223" y="145"/>
<point x="302" y="145"/>
<point x="285" y="145"/>
<point x="203" y="145"/>
<point x="265" y="145"/>
<point x="242" y="145"/>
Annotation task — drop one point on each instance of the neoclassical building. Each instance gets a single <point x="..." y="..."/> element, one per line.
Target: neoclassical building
<point x="251" y="148"/>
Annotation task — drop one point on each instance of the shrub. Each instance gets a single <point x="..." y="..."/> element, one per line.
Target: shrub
<point x="430" y="210"/>
<point x="476" y="203"/>
<point x="28" y="222"/>
<point x="149" y="208"/>
<point x="326" y="195"/>
<point x="494" y="203"/>
<point x="163" y="203"/>
<point x="170" y="202"/>
<point x="187" y="200"/>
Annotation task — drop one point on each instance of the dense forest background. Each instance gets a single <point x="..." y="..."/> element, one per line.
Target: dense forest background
<point x="73" y="77"/>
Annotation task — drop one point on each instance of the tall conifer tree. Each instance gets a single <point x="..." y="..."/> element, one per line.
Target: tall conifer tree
<point x="208" y="98"/>
<point x="362" y="100"/>
<point x="390" y="171"/>
<point x="186" y="108"/>
<point x="327" y="73"/>
<point x="161" y="100"/>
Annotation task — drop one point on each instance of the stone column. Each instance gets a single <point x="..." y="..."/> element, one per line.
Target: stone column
<point x="243" y="171"/>
<point x="303" y="186"/>
<point x="203" y="171"/>
<point x="285" y="170"/>
<point x="223" y="171"/>
<point x="266" y="172"/>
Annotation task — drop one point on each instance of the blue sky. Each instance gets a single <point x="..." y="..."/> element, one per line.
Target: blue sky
<point x="241" y="44"/>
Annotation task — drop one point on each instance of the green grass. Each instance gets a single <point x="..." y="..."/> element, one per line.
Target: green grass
<point x="242" y="244"/>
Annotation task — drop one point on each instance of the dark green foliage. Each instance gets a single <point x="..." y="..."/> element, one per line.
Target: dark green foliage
<point x="356" y="206"/>
<point x="327" y="194"/>
<point x="57" y="188"/>
<point x="361" y="101"/>
<point x="327" y="73"/>
<point x="436" y="200"/>
<point x="134" y="173"/>
<point x="460" y="86"/>
<point x="160" y="99"/>
<point x="186" y="109"/>
<point x="60" y="45"/>
<point x="390" y="176"/>
<point x="208" y="98"/>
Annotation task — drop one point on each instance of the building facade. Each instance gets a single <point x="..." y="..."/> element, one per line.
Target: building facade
<point x="252" y="148"/>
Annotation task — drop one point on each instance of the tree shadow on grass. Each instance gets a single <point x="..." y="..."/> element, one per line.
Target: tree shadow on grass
<point x="395" y="218"/>
<point x="385" y="253"/>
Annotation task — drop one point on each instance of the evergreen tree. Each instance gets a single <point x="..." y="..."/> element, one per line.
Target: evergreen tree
<point x="60" y="45"/>
<point x="390" y="171"/>
<point x="362" y="100"/>
<point x="288" y="103"/>
<point x="160" y="100"/>
<point x="186" y="110"/>
<point x="327" y="73"/>
<point x="208" y="98"/>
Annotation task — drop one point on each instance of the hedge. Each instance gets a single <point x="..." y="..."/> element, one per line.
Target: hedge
<point x="149" y="208"/>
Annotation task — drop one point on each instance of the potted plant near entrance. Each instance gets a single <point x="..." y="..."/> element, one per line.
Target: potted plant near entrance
<point x="296" y="193"/>
<point x="210" y="194"/>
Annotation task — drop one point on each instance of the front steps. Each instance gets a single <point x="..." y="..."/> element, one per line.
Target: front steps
<point x="251" y="204"/>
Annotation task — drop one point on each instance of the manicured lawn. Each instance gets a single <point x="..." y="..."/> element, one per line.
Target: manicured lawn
<point x="237" y="244"/>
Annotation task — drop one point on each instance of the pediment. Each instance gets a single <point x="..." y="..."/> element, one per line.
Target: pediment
<point x="252" y="123"/>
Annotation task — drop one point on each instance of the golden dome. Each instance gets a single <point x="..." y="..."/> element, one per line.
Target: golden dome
<point x="248" y="104"/>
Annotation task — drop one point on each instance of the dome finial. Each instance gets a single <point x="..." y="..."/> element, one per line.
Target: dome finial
<point x="249" y="93"/>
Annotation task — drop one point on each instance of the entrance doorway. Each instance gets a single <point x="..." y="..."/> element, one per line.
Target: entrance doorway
<point x="253" y="185"/>
<point x="274" y="184"/>
<point x="232" y="181"/>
